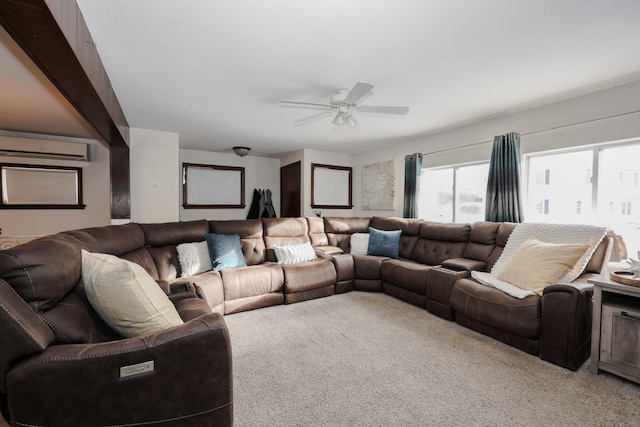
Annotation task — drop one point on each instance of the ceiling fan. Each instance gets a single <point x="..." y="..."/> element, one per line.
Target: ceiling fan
<point x="344" y="102"/>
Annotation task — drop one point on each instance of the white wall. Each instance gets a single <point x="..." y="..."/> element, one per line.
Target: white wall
<point x="155" y="176"/>
<point x="260" y="173"/>
<point x="96" y="197"/>
<point x="604" y="116"/>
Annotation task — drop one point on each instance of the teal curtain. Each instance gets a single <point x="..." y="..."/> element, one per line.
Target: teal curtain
<point x="412" y="172"/>
<point x="503" y="186"/>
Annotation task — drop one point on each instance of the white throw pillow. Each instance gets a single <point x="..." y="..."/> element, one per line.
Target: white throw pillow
<point x="359" y="243"/>
<point x="291" y="254"/>
<point x="535" y="264"/>
<point x="125" y="296"/>
<point x="194" y="258"/>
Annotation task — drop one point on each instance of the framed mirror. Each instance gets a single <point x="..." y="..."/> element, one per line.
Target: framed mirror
<point x="212" y="186"/>
<point x="331" y="186"/>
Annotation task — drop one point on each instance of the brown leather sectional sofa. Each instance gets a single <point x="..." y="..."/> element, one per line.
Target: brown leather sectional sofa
<point x="57" y="355"/>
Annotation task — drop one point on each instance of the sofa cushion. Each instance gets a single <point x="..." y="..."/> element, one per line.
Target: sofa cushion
<point x="194" y="258"/>
<point x="283" y="232"/>
<point x="251" y="237"/>
<point x="117" y="239"/>
<point x="496" y="309"/>
<point x="405" y="274"/>
<point x="340" y="229"/>
<point x="535" y="264"/>
<point x="383" y="242"/>
<point x="125" y="296"/>
<point x="316" y="231"/>
<point x="367" y="266"/>
<point x="253" y="280"/>
<point x="410" y="232"/>
<point x="174" y="233"/>
<point x="439" y="242"/>
<point x="225" y="251"/>
<point x="308" y="275"/>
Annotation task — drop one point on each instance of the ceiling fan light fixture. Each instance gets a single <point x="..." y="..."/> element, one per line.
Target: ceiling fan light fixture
<point x="350" y="121"/>
<point x="241" y="151"/>
<point x="339" y="119"/>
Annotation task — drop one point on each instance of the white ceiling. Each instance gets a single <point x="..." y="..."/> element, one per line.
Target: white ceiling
<point x="213" y="71"/>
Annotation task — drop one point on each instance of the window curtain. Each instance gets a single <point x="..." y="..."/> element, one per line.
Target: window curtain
<point x="503" y="187"/>
<point x="412" y="172"/>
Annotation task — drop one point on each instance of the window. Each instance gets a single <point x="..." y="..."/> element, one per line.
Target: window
<point x="615" y="162"/>
<point x="212" y="187"/>
<point x="436" y="195"/>
<point x="40" y="187"/>
<point x="605" y="197"/>
<point x="595" y="185"/>
<point x="454" y="194"/>
<point x="331" y="187"/>
<point x="560" y="194"/>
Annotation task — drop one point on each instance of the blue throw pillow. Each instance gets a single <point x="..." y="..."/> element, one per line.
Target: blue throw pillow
<point x="225" y="251"/>
<point x="384" y="243"/>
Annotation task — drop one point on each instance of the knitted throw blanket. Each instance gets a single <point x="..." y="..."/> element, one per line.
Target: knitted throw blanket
<point x="551" y="233"/>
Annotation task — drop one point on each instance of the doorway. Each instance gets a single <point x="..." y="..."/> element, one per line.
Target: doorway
<point x="290" y="189"/>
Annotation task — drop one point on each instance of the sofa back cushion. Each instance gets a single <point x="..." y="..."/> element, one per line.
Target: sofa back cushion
<point x="482" y="241"/>
<point x="410" y="231"/>
<point x="174" y="233"/>
<point x="502" y="235"/>
<point x="340" y="229"/>
<point x="284" y="232"/>
<point x="46" y="274"/>
<point x="112" y="239"/>
<point x="317" y="236"/>
<point x="440" y="241"/>
<point x="161" y="240"/>
<point x="250" y="232"/>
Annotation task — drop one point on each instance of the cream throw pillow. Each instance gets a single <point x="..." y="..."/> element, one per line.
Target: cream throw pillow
<point x="125" y="296"/>
<point x="535" y="264"/>
<point x="292" y="254"/>
<point x="194" y="258"/>
<point x="359" y="243"/>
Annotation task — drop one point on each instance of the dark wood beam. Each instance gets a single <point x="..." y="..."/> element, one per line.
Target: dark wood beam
<point x="54" y="35"/>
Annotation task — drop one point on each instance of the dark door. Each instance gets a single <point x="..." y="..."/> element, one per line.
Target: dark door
<point x="290" y="177"/>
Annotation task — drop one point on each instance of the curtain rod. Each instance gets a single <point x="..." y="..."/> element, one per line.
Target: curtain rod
<point x="535" y="131"/>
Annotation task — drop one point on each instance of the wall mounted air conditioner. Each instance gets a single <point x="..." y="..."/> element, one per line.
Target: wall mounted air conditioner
<point x="17" y="148"/>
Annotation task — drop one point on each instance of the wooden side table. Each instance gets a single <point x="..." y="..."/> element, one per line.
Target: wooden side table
<point x="615" y="337"/>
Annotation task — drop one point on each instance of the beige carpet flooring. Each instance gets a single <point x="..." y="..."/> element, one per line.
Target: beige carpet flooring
<point x="367" y="359"/>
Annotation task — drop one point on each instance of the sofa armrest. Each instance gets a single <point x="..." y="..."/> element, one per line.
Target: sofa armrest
<point x="23" y="333"/>
<point x="181" y="374"/>
<point x="464" y="264"/>
<point x="327" y="251"/>
<point x="565" y="330"/>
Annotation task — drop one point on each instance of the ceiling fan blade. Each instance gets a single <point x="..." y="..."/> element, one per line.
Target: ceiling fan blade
<point x="359" y="90"/>
<point x="383" y="109"/>
<point x="313" y="118"/>
<point x="315" y="104"/>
